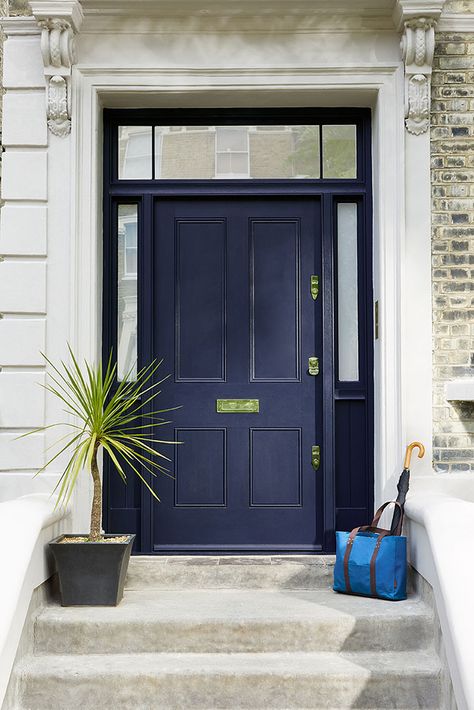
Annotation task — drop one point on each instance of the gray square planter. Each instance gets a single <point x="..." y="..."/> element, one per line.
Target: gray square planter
<point x="91" y="573"/>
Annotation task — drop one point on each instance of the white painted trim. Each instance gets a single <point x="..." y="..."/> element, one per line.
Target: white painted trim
<point x="229" y="9"/>
<point x="441" y="529"/>
<point x="379" y="87"/>
<point x="19" y="26"/>
<point x="456" y="22"/>
<point x="26" y="526"/>
<point x="460" y="390"/>
<point x="416" y="332"/>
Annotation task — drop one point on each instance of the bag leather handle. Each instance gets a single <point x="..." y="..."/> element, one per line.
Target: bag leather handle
<point x="379" y="512"/>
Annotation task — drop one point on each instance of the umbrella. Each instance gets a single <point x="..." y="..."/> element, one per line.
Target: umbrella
<point x="404" y="483"/>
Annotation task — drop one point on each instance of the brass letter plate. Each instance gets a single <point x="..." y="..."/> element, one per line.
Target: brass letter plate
<point x="238" y="406"/>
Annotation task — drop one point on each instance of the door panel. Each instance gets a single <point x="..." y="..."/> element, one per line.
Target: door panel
<point x="274" y="478"/>
<point x="233" y="318"/>
<point x="200" y="300"/>
<point x="200" y="468"/>
<point x="274" y="299"/>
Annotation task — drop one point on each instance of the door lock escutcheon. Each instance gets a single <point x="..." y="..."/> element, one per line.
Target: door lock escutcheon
<point x="313" y="366"/>
<point x="315" y="457"/>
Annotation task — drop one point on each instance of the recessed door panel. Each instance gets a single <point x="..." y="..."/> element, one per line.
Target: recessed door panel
<point x="200" y="467"/>
<point x="275" y="467"/>
<point x="274" y="299"/>
<point x="200" y="299"/>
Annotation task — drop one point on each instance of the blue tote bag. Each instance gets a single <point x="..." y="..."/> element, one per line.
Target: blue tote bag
<point x="371" y="561"/>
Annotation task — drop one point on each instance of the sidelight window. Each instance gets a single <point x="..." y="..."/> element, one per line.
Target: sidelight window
<point x="347" y="292"/>
<point x="127" y="263"/>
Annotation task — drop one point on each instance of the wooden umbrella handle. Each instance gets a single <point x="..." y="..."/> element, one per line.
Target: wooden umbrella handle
<point x="414" y="445"/>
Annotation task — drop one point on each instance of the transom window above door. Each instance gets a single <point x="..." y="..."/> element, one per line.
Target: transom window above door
<point x="319" y="151"/>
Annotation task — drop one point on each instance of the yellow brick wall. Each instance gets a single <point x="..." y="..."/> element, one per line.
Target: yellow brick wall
<point x="452" y="178"/>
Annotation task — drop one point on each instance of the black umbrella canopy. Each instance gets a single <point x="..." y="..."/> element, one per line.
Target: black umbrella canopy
<point x="403" y="485"/>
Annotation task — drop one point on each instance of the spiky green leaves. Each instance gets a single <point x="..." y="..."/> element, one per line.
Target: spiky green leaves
<point x="120" y="417"/>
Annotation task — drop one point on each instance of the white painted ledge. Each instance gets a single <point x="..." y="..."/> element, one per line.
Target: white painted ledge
<point x="441" y="530"/>
<point x="460" y="390"/>
<point x="456" y="22"/>
<point x="26" y="526"/>
<point x="450" y="485"/>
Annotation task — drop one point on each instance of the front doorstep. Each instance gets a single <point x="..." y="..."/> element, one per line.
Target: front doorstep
<point x="91" y="573"/>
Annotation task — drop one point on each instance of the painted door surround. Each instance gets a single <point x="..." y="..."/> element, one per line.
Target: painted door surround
<point x="269" y="60"/>
<point x="387" y="223"/>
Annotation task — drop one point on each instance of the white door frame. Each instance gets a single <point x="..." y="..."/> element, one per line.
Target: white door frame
<point x="396" y="239"/>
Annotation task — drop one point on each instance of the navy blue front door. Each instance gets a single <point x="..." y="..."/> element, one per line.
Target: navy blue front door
<point x="234" y="318"/>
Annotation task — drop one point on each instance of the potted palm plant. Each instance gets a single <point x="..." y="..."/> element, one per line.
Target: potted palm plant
<point x="92" y="567"/>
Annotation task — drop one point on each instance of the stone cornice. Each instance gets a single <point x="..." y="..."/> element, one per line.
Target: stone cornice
<point x="67" y="10"/>
<point x="410" y="9"/>
<point x="24" y="25"/>
<point x="456" y="22"/>
<point x="231" y="8"/>
<point x="292" y="16"/>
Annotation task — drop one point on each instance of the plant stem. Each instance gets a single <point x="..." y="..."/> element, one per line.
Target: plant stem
<point x="95" y="534"/>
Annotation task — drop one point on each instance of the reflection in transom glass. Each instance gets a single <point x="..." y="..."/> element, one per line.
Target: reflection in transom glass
<point x="237" y="152"/>
<point x="135" y="149"/>
<point x="222" y="152"/>
<point x="234" y="152"/>
<point x="339" y="152"/>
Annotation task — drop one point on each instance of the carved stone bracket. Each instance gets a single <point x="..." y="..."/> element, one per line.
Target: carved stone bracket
<point x="416" y="20"/>
<point x="417" y="47"/>
<point x="57" y="44"/>
<point x="59" y="113"/>
<point x="59" y="21"/>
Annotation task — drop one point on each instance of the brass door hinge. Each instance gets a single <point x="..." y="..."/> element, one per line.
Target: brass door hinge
<point x="314" y="286"/>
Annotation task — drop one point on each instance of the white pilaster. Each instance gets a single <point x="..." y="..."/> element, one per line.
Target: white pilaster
<point x="416" y="20"/>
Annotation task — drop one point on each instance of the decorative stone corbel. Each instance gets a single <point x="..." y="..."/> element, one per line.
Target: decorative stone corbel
<point x="59" y="21"/>
<point x="417" y="47"/>
<point x="416" y="19"/>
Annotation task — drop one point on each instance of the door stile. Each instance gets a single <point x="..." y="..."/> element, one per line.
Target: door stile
<point x="328" y="438"/>
<point x="109" y="308"/>
<point x="146" y="335"/>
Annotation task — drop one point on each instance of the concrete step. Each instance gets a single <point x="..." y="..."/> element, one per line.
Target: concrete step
<point x="231" y="572"/>
<point x="235" y="621"/>
<point x="248" y="680"/>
